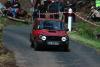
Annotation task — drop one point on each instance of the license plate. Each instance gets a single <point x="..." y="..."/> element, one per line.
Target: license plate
<point x="53" y="43"/>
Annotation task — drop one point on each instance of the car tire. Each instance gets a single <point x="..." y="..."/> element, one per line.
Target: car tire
<point x="32" y="44"/>
<point x="36" y="46"/>
<point x="66" y="48"/>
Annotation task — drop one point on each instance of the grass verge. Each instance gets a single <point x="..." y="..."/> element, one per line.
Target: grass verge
<point x="87" y="41"/>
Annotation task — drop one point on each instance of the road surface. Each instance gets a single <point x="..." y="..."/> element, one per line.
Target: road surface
<point x="16" y="38"/>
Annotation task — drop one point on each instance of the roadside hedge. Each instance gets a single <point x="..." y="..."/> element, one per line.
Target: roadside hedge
<point x="87" y="30"/>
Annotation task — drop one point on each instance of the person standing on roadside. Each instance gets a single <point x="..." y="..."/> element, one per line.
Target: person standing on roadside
<point x="32" y="2"/>
<point x="38" y="2"/>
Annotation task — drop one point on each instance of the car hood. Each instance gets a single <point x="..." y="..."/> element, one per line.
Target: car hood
<point x="53" y="32"/>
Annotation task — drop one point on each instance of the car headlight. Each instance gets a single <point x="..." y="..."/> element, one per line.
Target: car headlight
<point x="42" y="37"/>
<point x="63" y="39"/>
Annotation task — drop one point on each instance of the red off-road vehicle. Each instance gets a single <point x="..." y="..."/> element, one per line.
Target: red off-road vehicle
<point x="48" y="33"/>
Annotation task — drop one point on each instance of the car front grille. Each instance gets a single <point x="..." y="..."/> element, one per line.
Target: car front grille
<point x="53" y="38"/>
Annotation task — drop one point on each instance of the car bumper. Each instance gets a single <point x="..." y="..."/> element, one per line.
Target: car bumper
<point x="52" y="43"/>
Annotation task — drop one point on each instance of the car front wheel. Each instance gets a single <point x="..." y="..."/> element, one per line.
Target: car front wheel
<point x="36" y="46"/>
<point x="66" y="48"/>
<point x="32" y="44"/>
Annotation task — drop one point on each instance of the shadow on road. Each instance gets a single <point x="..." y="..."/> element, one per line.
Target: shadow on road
<point x="52" y="49"/>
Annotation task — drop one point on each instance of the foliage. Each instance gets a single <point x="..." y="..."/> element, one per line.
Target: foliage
<point x="3" y="20"/>
<point x="86" y="30"/>
<point x="97" y="30"/>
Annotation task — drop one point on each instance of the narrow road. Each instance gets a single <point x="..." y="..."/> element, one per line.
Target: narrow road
<point x="16" y="38"/>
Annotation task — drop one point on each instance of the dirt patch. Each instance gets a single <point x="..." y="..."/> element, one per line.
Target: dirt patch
<point x="7" y="58"/>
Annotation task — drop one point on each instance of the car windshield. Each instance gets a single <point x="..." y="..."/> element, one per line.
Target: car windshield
<point x="51" y="25"/>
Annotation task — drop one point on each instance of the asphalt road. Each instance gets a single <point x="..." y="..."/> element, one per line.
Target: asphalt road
<point x="16" y="38"/>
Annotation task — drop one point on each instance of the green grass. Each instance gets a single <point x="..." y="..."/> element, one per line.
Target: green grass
<point x="87" y="41"/>
<point x="3" y="20"/>
<point x="86" y="33"/>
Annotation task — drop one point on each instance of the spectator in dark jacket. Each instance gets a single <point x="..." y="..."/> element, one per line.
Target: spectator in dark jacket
<point x="8" y="4"/>
<point x="16" y="4"/>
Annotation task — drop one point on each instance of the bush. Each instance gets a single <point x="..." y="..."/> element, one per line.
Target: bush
<point x="97" y="33"/>
<point x="1" y="27"/>
<point x="97" y="30"/>
<point x="85" y="29"/>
